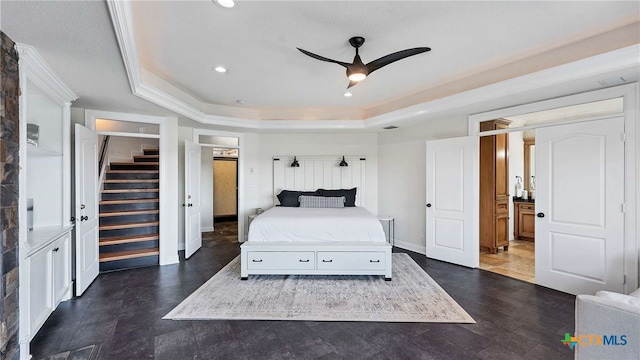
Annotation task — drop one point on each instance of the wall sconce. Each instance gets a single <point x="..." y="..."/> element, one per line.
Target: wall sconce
<point x="344" y="162"/>
<point x="295" y="162"/>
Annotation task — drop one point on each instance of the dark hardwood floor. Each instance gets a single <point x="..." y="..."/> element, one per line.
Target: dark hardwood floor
<point x="121" y="313"/>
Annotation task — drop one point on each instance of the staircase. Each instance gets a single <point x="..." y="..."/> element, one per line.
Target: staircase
<point x="129" y="213"/>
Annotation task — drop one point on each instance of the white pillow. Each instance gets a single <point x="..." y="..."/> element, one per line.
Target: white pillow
<point x="321" y="201"/>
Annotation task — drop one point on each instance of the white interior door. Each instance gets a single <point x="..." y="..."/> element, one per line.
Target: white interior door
<point x="580" y="192"/>
<point x="451" y="234"/>
<point x="192" y="210"/>
<point x="86" y="207"/>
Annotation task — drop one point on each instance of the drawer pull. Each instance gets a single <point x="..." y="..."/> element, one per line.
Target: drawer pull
<point x="374" y="261"/>
<point x="327" y="260"/>
<point x="254" y="260"/>
<point x="304" y="260"/>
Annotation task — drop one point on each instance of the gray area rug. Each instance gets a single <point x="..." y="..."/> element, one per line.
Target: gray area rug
<point x="412" y="296"/>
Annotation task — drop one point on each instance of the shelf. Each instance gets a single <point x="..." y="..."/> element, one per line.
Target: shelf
<point x="43" y="236"/>
<point x="36" y="151"/>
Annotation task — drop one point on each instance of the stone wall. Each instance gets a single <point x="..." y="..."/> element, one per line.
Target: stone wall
<point x="9" y="147"/>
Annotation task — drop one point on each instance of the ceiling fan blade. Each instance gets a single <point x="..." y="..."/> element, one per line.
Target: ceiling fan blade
<point x="388" y="59"/>
<point x="322" y="58"/>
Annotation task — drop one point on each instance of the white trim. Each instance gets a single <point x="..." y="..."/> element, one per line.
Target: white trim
<point x="420" y="249"/>
<point x="207" y="229"/>
<point x="168" y="144"/>
<point x="125" y="134"/>
<point x="241" y="156"/>
<point x="43" y="75"/>
<point x="629" y="93"/>
<point x="122" y="19"/>
<point x="539" y="126"/>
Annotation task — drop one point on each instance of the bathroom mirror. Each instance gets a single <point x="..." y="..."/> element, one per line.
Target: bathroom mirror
<point x="529" y="164"/>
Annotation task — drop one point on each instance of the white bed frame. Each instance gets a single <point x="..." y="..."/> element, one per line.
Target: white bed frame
<point x="339" y="258"/>
<point x="317" y="258"/>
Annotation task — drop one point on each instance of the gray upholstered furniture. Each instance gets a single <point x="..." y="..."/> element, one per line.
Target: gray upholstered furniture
<point x="608" y="313"/>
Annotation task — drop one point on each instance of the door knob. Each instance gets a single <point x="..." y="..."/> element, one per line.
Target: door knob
<point x="540" y="215"/>
<point x="83" y="218"/>
<point x="428" y="205"/>
<point x="190" y="205"/>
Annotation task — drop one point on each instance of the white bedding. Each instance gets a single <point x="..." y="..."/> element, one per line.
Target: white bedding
<point x="294" y="224"/>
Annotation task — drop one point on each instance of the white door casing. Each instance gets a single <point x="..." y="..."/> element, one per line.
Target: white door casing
<point x="452" y="233"/>
<point x="580" y="190"/>
<point x="192" y="211"/>
<point x="86" y="207"/>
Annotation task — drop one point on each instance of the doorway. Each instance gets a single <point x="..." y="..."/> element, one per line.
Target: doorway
<point x="225" y="197"/>
<point x="507" y="201"/>
<point x="577" y="248"/>
<point x="214" y="148"/>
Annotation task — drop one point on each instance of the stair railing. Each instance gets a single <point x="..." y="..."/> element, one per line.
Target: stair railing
<point x="103" y="152"/>
<point x="102" y="164"/>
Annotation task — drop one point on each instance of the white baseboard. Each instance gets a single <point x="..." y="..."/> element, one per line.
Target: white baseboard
<point x="420" y="249"/>
<point x="207" y="229"/>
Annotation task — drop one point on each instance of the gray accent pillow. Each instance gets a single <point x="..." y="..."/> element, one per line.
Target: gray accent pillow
<point x="321" y="202"/>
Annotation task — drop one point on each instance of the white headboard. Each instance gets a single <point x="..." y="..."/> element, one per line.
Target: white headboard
<point x="317" y="172"/>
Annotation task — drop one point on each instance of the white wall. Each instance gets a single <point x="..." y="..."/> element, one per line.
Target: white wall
<point x="402" y="174"/>
<point x="206" y="188"/>
<point x="516" y="168"/>
<point x="122" y="149"/>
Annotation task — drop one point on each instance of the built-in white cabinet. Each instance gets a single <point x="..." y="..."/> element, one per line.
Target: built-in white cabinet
<point x="49" y="279"/>
<point x="45" y="182"/>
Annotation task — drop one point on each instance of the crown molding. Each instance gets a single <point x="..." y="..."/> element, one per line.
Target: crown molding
<point x="43" y="75"/>
<point x="122" y="19"/>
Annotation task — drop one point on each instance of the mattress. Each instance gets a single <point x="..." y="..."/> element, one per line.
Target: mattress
<point x="294" y="224"/>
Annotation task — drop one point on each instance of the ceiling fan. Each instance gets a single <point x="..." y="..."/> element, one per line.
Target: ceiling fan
<point x="357" y="70"/>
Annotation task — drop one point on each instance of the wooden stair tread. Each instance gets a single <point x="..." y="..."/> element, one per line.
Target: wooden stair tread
<point x="146" y="157"/>
<point x="130" y="212"/>
<point x="129" y="225"/>
<point x="128" y="254"/>
<point x="113" y="202"/>
<point x="150" y="150"/>
<point x="125" y="181"/>
<point x="128" y="239"/>
<point x="118" y="191"/>
<point x="134" y="163"/>
<point x="133" y="171"/>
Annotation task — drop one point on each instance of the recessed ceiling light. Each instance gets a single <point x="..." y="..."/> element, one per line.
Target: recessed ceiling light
<point x="225" y="3"/>
<point x="390" y="127"/>
<point x="348" y="94"/>
<point x="220" y="69"/>
<point x="239" y="101"/>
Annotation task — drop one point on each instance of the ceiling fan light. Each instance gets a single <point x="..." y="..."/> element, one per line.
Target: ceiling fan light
<point x="357" y="76"/>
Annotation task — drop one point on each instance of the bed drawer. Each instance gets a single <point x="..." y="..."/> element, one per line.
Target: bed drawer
<point x="346" y="260"/>
<point x="281" y="260"/>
